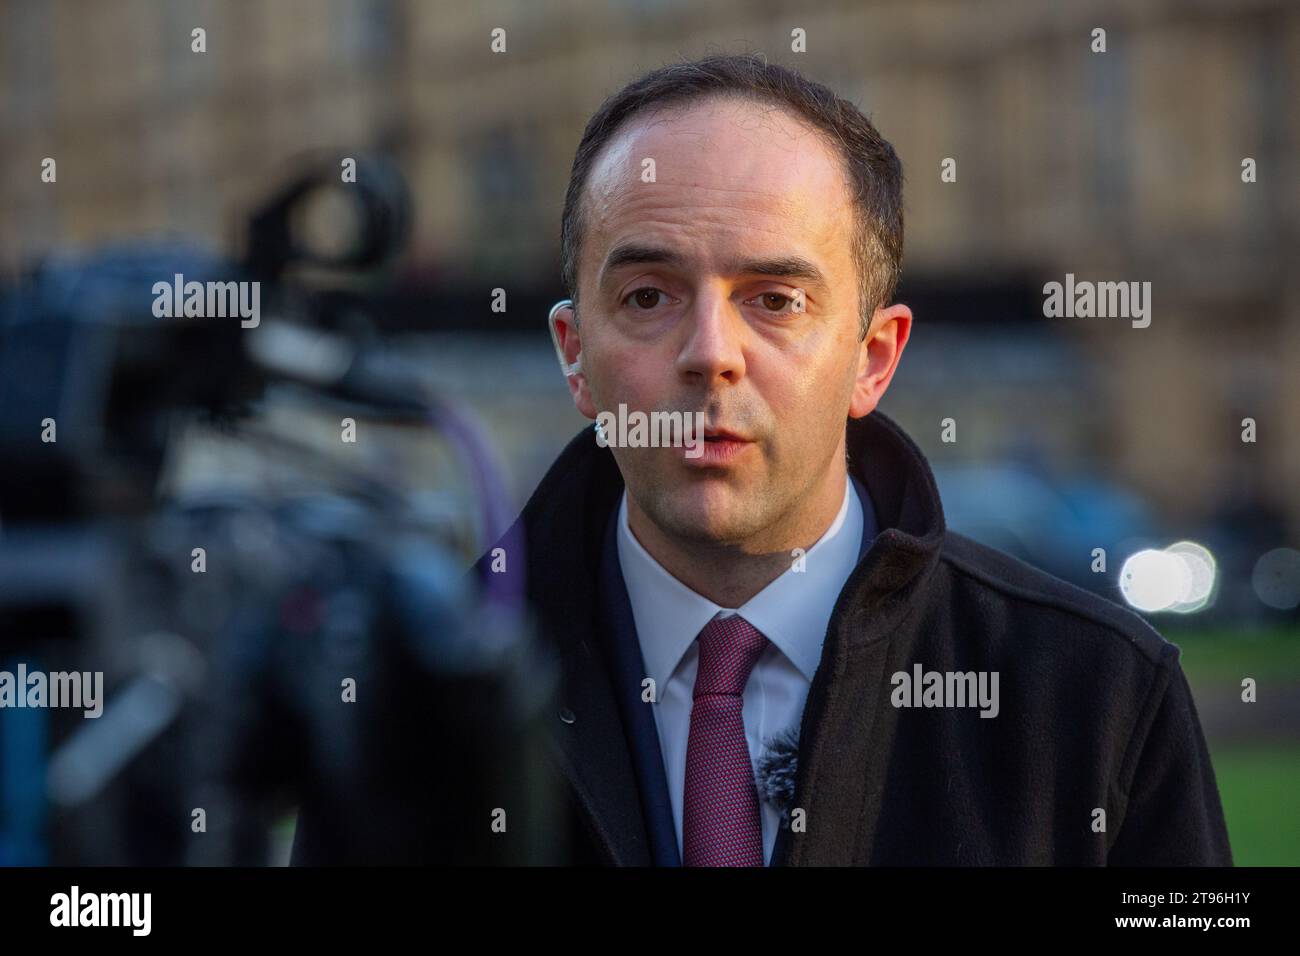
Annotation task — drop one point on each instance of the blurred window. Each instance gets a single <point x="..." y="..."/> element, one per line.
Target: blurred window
<point x="28" y="78"/>
<point x="366" y="28"/>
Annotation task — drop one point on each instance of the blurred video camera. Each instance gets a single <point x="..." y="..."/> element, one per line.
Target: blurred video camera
<point x="307" y="638"/>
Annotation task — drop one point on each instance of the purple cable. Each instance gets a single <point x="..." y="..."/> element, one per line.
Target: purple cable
<point x="503" y="591"/>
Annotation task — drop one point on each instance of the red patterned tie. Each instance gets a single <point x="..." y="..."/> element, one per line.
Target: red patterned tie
<point x="720" y="818"/>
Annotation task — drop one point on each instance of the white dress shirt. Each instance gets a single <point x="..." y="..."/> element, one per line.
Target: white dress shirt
<point x="792" y="612"/>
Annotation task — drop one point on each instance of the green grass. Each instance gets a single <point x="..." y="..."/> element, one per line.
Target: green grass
<point x="1259" y="788"/>
<point x="1210" y="655"/>
<point x="1258" y="783"/>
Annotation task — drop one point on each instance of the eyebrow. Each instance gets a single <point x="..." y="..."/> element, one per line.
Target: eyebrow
<point x="787" y="267"/>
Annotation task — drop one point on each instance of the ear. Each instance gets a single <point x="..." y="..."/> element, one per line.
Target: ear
<point x="568" y="348"/>
<point x="878" y="357"/>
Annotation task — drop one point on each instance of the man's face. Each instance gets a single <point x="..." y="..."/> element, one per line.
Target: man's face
<point x="741" y="194"/>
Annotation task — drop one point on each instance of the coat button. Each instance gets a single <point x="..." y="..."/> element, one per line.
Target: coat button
<point x="567" y="715"/>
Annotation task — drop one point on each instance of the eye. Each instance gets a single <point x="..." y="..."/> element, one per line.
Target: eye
<point x="647" y="297"/>
<point x="778" y="303"/>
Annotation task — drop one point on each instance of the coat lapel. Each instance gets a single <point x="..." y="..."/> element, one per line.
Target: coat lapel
<point x="561" y="530"/>
<point x="593" y="755"/>
<point x="838" y="729"/>
<point x="781" y="849"/>
<point x="627" y="665"/>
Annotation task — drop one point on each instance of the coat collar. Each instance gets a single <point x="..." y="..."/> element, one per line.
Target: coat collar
<point x="563" y="525"/>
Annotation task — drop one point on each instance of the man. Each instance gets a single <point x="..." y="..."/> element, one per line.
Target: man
<point x="774" y="652"/>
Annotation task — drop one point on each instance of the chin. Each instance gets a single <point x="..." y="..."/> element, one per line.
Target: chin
<point x="706" y="512"/>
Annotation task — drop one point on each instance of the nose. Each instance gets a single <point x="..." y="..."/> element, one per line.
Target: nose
<point x="713" y="349"/>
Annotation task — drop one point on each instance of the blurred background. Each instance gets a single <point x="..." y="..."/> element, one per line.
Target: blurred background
<point x="1072" y="433"/>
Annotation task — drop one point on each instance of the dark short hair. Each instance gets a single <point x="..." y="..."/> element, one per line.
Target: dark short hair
<point x="875" y="174"/>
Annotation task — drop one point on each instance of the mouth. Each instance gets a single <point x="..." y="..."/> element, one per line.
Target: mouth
<point x="723" y="435"/>
<point x="721" y="448"/>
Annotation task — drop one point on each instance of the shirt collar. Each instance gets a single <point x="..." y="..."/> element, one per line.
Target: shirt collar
<point x="792" y="611"/>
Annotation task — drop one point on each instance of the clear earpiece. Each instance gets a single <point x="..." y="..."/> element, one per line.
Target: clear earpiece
<point x="568" y="370"/>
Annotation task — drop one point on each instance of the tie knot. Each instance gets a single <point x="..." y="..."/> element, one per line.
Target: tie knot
<point x="729" y="649"/>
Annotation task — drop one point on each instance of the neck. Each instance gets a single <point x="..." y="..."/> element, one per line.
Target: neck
<point x="731" y="574"/>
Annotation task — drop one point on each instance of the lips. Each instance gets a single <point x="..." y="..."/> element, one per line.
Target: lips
<point x="722" y="434"/>
<point x="721" y="449"/>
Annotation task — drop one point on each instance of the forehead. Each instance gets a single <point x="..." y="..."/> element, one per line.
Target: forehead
<point x="730" y="175"/>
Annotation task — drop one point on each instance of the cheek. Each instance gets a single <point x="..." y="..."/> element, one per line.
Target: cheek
<point x="628" y="375"/>
<point x="810" y="399"/>
<point x="795" y="389"/>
